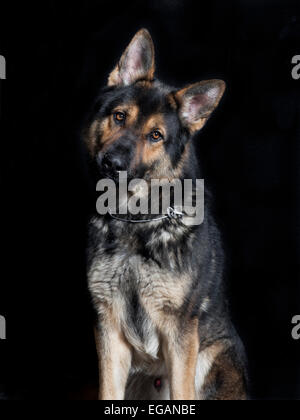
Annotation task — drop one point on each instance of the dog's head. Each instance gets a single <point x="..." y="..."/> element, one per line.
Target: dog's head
<point x="143" y="126"/>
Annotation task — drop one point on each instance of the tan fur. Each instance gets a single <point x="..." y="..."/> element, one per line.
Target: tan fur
<point x="147" y="84"/>
<point x="172" y="101"/>
<point x="110" y="131"/>
<point x="155" y="122"/>
<point x="181" y="361"/>
<point x="233" y="387"/>
<point x="152" y="151"/>
<point x="177" y="173"/>
<point x="114" y="78"/>
<point x="114" y="356"/>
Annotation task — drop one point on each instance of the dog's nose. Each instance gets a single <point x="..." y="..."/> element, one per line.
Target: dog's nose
<point x="113" y="163"/>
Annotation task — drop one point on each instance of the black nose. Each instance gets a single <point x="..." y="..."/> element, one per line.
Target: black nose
<point x="113" y="163"/>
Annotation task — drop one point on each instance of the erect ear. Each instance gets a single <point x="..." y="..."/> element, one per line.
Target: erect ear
<point x="198" y="101"/>
<point x="137" y="62"/>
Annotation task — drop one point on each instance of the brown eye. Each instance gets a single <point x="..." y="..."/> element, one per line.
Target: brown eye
<point x="119" y="117"/>
<point x="156" y="136"/>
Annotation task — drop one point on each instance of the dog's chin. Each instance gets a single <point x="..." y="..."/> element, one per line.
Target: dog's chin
<point x="115" y="176"/>
<point x="109" y="175"/>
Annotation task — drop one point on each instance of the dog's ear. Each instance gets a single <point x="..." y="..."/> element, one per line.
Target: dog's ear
<point x="198" y="101"/>
<point x="137" y="62"/>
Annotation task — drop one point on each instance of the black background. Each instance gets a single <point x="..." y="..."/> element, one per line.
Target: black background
<point x="58" y="55"/>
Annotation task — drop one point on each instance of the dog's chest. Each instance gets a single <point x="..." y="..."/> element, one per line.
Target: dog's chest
<point x="140" y="294"/>
<point x="121" y="278"/>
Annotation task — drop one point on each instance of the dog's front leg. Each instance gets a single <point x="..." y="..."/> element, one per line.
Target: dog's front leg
<point x="114" y="357"/>
<point x="181" y="355"/>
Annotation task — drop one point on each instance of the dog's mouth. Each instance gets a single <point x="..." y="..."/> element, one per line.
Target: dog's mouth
<point x="116" y="176"/>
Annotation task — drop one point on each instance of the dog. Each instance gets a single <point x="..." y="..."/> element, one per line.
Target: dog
<point x="163" y="330"/>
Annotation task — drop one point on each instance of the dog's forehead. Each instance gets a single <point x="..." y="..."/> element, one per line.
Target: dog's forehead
<point x="149" y="98"/>
<point x="152" y="99"/>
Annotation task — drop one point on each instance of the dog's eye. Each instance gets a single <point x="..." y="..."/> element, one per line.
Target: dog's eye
<point x="156" y="136"/>
<point x="119" y="117"/>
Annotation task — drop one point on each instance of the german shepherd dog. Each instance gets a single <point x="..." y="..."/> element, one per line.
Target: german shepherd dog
<point x="163" y="330"/>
